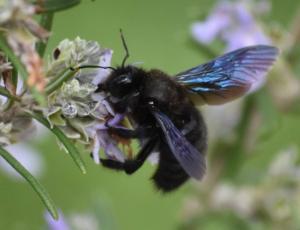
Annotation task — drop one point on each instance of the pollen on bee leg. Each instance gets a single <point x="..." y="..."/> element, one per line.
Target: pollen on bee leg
<point x="127" y="149"/>
<point x="130" y="152"/>
<point x="125" y="145"/>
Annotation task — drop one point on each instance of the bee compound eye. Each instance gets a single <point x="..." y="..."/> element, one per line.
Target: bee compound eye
<point x="123" y="80"/>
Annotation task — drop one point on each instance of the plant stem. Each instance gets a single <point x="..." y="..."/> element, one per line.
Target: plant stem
<point x="46" y="22"/>
<point x="4" y="92"/>
<point x="72" y="150"/>
<point x="57" y="82"/>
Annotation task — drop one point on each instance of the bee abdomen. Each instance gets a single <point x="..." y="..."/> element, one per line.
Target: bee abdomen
<point x="169" y="175"/>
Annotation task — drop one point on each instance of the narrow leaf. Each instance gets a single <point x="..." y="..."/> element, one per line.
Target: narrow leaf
<point x="72" y="150"/>
<point x="10" y="99"/>
<point x="57" y="82"/>
<point x="46" y="22"/>
<point x="15" y="77"/>
<point x="4" y="92"/>
<point x="35" y="184"/>
<point x="57" y="5"/>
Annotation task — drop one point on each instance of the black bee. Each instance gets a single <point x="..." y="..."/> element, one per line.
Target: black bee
<point x="164" y="116"/>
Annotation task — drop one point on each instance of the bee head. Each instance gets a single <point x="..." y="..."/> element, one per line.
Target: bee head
<point x="122" y="82"/>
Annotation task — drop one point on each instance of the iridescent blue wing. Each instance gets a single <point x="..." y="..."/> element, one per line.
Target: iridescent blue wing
<point x="191" y="160"/>
<point x="231" y="75"/>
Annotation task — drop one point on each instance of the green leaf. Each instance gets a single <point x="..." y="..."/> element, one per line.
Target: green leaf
<point x="8" y="104"/>
<point x="72" y="150"/>
<point x="11" y="99"/>
<point x="15" y="77"/>
<point x="57" y="5"/>
<point x="55" y="118"/>
<point x="57" y="82"/>
<point x="4" y="92"/>
<point x="17" y="64"/>
<point x="35" y="184"/>
<point x="46" y="22"/>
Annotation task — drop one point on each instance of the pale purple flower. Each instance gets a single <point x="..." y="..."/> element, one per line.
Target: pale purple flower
<point x="234" y="23"/>
<point x="102" y="140"/>
<point x="74" y="221"/>
<point x="105" y="61"/>
<point x="219" y="19"/>
<point x="59" y="224"/>
<point x="98" y="130"/>
<point x="77" y="103"/>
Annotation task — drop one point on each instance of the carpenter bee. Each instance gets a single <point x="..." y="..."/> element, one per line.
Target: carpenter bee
<point x="164" y="116"/>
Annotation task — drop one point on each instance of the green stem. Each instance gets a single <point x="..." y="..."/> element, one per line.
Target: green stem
<point x="72" y="150"/>
<point x="10" y="99"/>
<point x="46" y="22"/>
<point x="15" y="77"/>
<point x="35" y="184"/>
<point x="57" y="82"/>
<point x="4" y="92"/>
<point x="57" y="5"/>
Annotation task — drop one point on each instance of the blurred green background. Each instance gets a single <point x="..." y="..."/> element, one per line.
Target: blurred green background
<point x="157" y="33"/>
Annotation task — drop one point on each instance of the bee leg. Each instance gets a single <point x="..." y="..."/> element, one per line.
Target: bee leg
<point x="112" y="164"/>
<point x="140" y="132"/>
<point x="130" y="166"/>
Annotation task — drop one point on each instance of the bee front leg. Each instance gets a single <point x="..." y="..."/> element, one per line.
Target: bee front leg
<point x="130" y="166"/>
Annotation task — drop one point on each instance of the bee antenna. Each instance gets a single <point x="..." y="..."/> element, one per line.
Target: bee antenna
<point x="125" y="47"/>
<point x="92" y="66"/>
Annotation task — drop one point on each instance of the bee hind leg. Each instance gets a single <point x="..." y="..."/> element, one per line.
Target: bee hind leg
<point x="112" y="164"/>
